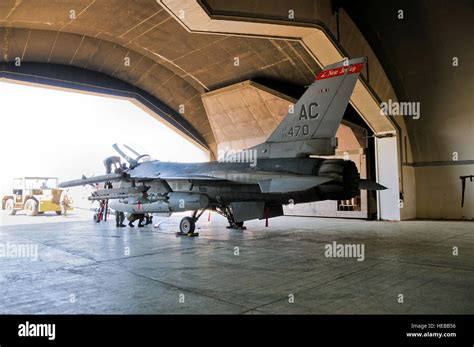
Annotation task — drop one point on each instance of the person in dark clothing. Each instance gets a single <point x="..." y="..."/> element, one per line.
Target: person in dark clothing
<point x="119" y="218"/>
<point x="136" y="216"/>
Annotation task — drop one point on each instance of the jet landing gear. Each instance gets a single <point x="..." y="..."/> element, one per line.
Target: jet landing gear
<point x="188" y="225"/>
<point x="226" y="212"/>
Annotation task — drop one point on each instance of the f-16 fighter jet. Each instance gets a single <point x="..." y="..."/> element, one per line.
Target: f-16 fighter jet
<point x="281" y="170"/>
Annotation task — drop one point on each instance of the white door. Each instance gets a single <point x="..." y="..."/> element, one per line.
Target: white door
<point x="386" y="162"/>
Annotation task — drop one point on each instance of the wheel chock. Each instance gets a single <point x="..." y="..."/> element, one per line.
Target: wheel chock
<point x="179" y="233"/>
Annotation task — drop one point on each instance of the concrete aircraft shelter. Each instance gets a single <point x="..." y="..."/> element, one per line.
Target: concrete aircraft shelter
<point x="174" y="56"/>
<point x="223" y="74"/>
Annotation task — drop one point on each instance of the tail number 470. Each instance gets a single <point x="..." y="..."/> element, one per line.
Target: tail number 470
<point x="297" y="130"/>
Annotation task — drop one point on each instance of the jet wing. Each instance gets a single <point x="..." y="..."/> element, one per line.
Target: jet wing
<point x="291" y="184"/>
<point x="189" y="177"/>
<point x="269" y="182"/>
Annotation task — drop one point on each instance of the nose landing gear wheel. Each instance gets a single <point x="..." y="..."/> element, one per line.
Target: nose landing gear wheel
<point x="187" y="227"/>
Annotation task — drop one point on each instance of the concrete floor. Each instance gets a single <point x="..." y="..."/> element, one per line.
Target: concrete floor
<point x="87" y="262"/>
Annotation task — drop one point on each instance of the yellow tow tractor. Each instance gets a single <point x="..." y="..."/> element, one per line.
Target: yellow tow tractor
<point x="35" y="195"/>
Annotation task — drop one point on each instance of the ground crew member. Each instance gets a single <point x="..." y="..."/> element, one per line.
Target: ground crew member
<point x="111" y="161"/>
<point x="132" y="217"/>
<point x="119" y="218"/>
<point x="64" y="201"/>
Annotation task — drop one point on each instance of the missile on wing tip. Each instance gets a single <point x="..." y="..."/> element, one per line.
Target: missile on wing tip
<point x="91" y="180"/>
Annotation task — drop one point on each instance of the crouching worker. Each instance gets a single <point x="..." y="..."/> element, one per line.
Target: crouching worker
<point x="136" y="216"/>
<point x="119" y="218"/>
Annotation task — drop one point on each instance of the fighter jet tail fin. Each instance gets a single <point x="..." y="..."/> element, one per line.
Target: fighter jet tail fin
<point x="310" y="126"/>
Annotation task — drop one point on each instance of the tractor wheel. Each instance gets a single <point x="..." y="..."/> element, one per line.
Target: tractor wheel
<point x="59" y="213"/>
<point x="31" y="207"/>
<point x="10" y="207"/>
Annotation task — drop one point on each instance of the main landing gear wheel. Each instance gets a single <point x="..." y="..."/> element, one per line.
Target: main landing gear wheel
<point x="236" y="225"/>
<point x="240" y="226"/>
<point x="227" y="213"/>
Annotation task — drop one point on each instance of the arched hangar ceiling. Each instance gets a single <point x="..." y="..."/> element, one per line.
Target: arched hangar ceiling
<point x="165" y="60"/>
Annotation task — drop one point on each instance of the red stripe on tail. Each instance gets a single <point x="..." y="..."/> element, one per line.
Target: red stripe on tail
<point x="339" y="71"/>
